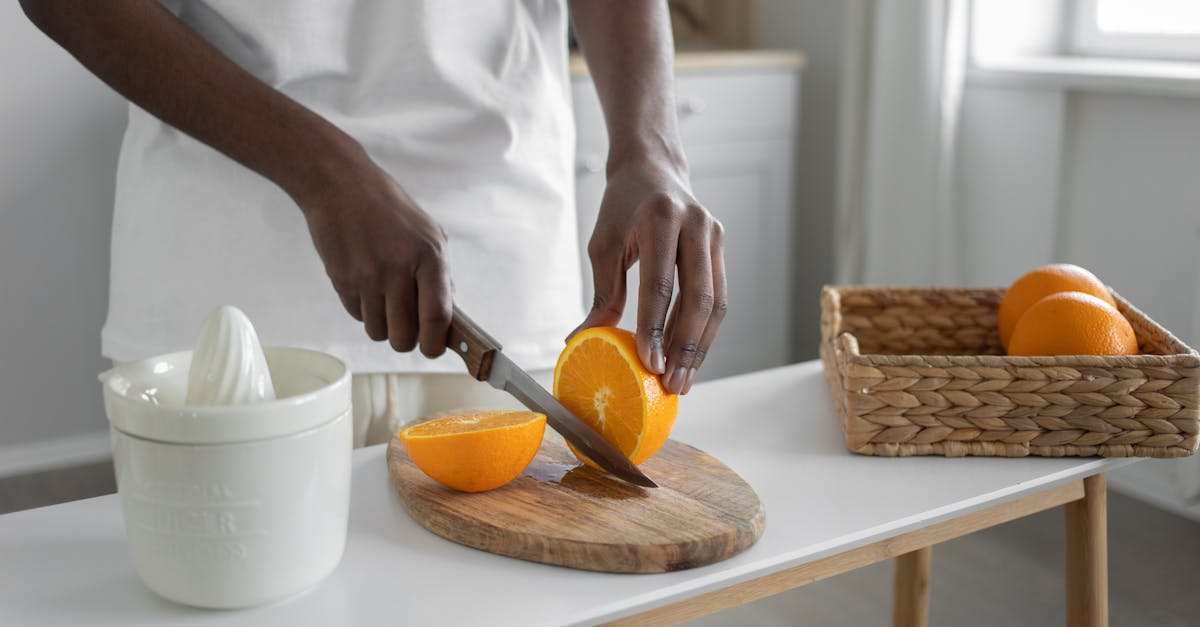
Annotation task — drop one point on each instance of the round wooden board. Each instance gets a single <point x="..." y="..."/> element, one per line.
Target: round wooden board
<point x="561" y="512"/>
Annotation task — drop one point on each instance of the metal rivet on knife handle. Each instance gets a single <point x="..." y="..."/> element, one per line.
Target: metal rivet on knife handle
<point x="471" y="343"/>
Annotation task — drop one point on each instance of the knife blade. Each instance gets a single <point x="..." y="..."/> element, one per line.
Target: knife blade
<point x="487" y="362"/>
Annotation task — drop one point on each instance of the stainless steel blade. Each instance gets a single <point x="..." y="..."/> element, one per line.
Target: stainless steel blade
<point x="506" y="375"/>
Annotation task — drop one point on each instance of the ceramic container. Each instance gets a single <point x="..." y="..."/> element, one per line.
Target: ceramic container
<point x="238" y="505"/>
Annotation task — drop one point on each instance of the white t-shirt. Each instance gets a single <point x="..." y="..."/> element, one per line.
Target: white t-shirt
<point x="465" y="103"/>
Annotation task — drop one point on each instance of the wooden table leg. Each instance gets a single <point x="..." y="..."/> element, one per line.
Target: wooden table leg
<point x="910" y="589"/>
<point x="1087" y="556"/>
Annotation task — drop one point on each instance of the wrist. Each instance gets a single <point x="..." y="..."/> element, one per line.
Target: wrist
<point x="655" y="152"/>
<point x="320" y="162"/>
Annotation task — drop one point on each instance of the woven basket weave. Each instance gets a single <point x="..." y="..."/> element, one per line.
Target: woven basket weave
<point x="920" y="371"/>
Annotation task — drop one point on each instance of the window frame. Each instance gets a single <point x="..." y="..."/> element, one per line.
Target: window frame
<point x="1084" y="38"/>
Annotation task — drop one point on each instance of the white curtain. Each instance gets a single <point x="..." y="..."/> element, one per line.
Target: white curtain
<point x="896" y="220"/>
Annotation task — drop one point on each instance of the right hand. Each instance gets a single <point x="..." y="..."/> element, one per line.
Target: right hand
<point x="385" y="255"/>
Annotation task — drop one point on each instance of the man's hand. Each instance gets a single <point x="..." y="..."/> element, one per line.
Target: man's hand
<point x="649" y="215"/>
<point x="385" y="256"/>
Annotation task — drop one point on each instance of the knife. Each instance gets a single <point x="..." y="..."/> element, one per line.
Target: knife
<point x="486" y="362"/>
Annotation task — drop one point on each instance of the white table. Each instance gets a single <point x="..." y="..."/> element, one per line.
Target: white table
<point x="828" y="511"/>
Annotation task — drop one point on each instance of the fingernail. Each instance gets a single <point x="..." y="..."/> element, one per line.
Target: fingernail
<point x="658" y="363"/>
<point x="675" y="381"/>
<point x="687" y="383"/>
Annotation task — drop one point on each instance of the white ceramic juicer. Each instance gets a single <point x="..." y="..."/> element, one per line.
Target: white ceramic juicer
<point x="235" y="491"/>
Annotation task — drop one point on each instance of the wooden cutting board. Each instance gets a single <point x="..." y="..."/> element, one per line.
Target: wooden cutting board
<point x="561" y="512"/>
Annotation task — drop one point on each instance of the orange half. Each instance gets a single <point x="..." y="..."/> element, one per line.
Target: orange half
<point x="601" y="380"/>
<point x="475" y="451"/>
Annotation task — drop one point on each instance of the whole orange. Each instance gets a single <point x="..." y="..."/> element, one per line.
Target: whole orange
<point x="475" y="451"/>
<point x="1072" y="323"/>
<point x="601" y="380"/>
<point x="1040" y="283"/>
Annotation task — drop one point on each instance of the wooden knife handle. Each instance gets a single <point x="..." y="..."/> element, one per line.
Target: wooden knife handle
<point x="471" y="343"/>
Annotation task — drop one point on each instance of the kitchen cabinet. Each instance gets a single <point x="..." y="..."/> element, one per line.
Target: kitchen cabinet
<point x="740" y="124"/>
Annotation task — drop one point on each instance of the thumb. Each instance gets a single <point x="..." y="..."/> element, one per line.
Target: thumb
<point x="608" y="301"/>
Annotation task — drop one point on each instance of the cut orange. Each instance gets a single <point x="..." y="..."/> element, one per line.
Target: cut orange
<point x="601" y="380"/>
<point x="476" y="451"/>
<point x="1040" y="283"/>
<point x="1073" y="323"/>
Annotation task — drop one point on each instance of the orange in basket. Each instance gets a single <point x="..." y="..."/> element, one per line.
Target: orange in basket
<point x="1040" y="283"/>
<point x="919" y="371"/>
<point x="1072" y="323"/>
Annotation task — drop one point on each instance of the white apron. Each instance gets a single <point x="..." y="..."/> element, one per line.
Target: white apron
<point x="465" y="103"/>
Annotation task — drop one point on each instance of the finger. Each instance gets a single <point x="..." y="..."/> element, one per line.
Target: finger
<point x="694" y="303"/>
<point x="351" y="301"/>
<point x="608" y="282"/>
<point x="402" y="316"/>
<point x="374" y="316"/>
<point x="657" y="241"/>
<point x="719" y="309"/>
<point x="672" y="319"/>
<point x="434" y="307"/>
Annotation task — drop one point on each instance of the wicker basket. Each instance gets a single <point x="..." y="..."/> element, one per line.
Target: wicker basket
<point x="920" y="371"/>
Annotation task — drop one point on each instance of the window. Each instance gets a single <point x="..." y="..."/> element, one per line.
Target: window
<point x="1159" y="29"/>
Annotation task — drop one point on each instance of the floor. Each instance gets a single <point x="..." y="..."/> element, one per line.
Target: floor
<point x="1007" y="575"/>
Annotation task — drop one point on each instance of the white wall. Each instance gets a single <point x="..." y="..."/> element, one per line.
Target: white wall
<point x="1131" y="200"/>
<point x="1103" y="177"/>
<point x="1105" y="180"/>
<point x="1010" y="150"/>
<point x="60" y="129"/>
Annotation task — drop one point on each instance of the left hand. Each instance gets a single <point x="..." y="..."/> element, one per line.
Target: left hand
<point x="649" y="215"/>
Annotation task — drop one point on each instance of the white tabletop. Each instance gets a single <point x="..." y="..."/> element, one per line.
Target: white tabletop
<point x="69" y="564"/>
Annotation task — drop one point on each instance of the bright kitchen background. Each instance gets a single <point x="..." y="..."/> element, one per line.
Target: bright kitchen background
<point x="942" y="141"/>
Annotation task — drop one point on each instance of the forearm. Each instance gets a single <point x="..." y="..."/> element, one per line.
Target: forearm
<point x="630" y="55"/>
<point x="147" y="55"/>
